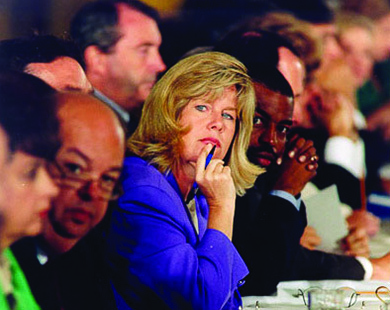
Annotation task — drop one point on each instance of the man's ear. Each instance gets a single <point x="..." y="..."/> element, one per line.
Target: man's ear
<point x="95" y="60"/>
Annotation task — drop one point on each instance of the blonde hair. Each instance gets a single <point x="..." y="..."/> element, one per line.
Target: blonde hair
<point x="158" y="138"/>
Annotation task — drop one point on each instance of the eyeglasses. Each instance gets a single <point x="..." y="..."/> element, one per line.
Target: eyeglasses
<point x="383" y="294"/>
<point x="65" y="176"/>
<point x="350" y="296"/>
<point x="346" y="296"/>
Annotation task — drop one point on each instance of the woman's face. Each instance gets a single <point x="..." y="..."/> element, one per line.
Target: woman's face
<point x="209" y="123"/>
<point x="28" y="191"/>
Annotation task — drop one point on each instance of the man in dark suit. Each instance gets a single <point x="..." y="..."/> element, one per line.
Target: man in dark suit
<point x="270" y="218"/>
<point x="64" y="265"/>
<point x="120" y="42"/>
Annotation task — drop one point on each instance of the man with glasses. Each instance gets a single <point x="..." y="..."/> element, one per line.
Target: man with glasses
<point x="63" y="275"/>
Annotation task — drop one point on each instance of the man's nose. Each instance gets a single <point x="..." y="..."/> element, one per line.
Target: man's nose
<point x="90" y="190"/>
<point x="269" y="136"/>
<point x="159" y="63"/>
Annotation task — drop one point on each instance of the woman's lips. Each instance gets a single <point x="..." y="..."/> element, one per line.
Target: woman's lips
<point x="212" y="141"/>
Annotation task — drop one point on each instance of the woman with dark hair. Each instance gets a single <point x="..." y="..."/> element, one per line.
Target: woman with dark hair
<point x="28" y="117"/>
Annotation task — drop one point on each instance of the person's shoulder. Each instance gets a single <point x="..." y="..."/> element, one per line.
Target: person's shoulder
<point x="138" y="172"/>
<point x="134" y="162"/>
<point x="139" y="169"/>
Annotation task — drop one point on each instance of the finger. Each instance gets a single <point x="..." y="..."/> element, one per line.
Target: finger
<point x="314" y="158"/>
<point x="201" y="162"/>
<point x="312" y="167"/>
<point x="292" y="140"/>
<point x="306" y="151"/>
<point x="361" y="253"/>
<point x="215" y="166"/>
<point x="296" y="147"/>
<point x="226" y="171"/>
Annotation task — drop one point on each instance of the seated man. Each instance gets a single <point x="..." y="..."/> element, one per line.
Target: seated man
<point x="64" y="271"/>
<point x="270" y="218"/>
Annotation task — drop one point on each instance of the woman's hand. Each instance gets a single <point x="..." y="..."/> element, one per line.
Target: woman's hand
<point x="216" y="184"/>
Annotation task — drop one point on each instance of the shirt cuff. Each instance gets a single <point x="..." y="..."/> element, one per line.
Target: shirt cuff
<point x="367" y="266"/>
<point x="346" y="153"/>
<point x="287" y="196"/>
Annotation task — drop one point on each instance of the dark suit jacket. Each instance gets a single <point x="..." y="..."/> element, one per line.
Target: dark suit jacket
<point x="267" y="231"/>
<point x="76" y="280"/>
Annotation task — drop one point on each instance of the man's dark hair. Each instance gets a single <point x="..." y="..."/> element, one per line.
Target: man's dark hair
<point x="96" y="23"/>
<point x="270" y="78"/>
<point x="28" y="114"/>
<point x="258" y="51"/>
<point x="254" y="47"/>
<point x="16" y="54"/>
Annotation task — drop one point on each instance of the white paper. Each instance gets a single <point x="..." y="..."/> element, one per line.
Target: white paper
<point x="324" y="214"/>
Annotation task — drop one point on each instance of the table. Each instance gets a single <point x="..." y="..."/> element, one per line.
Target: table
<point x="286" y="290"/>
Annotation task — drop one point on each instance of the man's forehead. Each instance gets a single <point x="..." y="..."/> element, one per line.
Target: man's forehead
<point x="90" y="131"/>
<point x="129" y="16"/>
<point x="272" y="102"/>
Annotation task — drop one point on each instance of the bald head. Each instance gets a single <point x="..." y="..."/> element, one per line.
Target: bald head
<point x="88" y="113"/>
<point x="87" y="168"/>
<point x="63" y="74"/>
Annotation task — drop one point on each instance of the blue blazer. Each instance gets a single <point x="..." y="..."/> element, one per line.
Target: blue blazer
<point x="156" y="257"/>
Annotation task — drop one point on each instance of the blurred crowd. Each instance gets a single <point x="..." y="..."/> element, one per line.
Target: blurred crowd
<point x="163" y="161"/>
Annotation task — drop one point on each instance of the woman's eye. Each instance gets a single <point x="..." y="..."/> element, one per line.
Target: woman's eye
<point x="227" y="116"/>
<point x="201" y="108"/>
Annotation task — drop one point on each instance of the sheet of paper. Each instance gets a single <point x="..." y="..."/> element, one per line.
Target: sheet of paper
<point x="324" y="214"/>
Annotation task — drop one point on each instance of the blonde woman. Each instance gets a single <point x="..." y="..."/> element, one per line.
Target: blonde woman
<point x="170" y="240"/>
